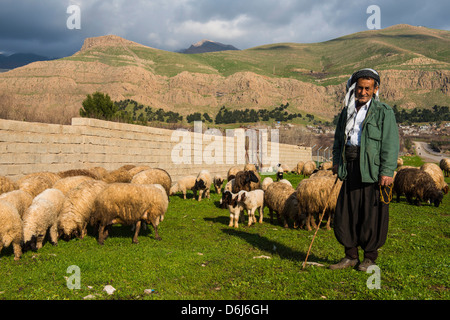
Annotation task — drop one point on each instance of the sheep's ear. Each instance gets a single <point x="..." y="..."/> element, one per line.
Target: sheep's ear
<point x="234" y="201"/>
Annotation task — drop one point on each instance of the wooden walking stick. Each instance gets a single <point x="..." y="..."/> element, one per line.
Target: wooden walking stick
<point x="320" y="221"/>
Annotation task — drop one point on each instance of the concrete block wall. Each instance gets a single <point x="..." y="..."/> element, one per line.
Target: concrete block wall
<point x="33" y="147"/>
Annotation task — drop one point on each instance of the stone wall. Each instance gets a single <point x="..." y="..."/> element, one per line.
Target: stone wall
<point x="33" y="147"/>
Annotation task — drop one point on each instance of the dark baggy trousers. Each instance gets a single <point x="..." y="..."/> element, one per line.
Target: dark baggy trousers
<point x="361" y="219"/>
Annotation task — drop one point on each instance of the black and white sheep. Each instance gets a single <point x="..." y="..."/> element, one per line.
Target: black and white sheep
<point x="203" y="184"/>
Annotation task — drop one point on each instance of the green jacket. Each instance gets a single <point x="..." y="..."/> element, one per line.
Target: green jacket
<point x="379" y="143"/>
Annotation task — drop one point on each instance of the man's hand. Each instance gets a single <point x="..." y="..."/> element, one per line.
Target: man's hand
<point x="385" y="181"/>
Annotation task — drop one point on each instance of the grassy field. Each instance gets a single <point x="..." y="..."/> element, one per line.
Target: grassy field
<point x="201" y="258"/>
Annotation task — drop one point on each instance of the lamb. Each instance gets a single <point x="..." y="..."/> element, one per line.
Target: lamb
<point x="228" y="187"/>
<point x="128" y="203"/>
<point x="11" y="229"/>
<point x="413" y="182"/>
<point x="235" y="207"/>
<point x="438" y="176"/>
<point x="252" y="200"/>
<point x="154" y="176"/>
<point x="19" y="199"/>
<point x="444" y="164"/>
<point x="243" y="180"/>
<point x="282" y="199"/>
<point x="309" y="168"/>
<point x="78" y="209"/>
<point x="41" y="216"/>
<point x="184" y="184"/>
<point x="313" y="194"/>
<point x="218" y="182"/>
<point x="7" y="185"/>
<point x="203" y="184"/>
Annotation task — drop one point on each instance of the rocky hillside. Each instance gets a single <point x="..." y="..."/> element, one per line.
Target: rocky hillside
<point x="414" y="63"/>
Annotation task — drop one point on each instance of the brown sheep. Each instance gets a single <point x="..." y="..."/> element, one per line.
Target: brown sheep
<point x="444" y="164"/>
<point x="243" y="180"/>
<point x="130" y="204"/>
<point x="314" y="194"/>
<point x="309" y="168"/>
<point x="154" y="176"/>
<point x="7" y="185"/>
<point x="438" y="176"/>
<point x="413" y="182"/>
<point x="282" y="198"/>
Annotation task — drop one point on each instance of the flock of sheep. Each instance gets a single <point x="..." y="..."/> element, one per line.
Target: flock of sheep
<point x="64" y="203"/>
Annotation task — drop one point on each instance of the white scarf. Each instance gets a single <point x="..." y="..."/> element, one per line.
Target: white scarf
<point x="350" y="104"/>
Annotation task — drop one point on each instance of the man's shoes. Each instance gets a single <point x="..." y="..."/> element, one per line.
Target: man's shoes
<point x="366" y="264"/>
<point x="344" y="263"/>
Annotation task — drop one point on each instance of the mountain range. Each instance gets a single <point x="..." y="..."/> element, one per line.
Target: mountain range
<point x="413" y="62"/>
<point x="205" y="46"/>
<point x="19" y="59"/>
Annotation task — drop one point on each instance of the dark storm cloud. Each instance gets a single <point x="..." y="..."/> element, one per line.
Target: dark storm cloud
<point x="40" y="26"/>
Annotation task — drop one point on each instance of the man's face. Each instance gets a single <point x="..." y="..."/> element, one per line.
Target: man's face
<point x="365" y="89"/>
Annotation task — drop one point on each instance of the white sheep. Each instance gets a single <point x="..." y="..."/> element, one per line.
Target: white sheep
<point x="41" y="216"/>
<point x="11" y="228"/>
<point x="266" y="182"/>
<point x="252" y="201"/>
<point x="20" y="200"/>
<point x="130" y="204"/>
<point x="184" y="184"/>
<point x="218" y="182"/>
<point x="78" y="208"/>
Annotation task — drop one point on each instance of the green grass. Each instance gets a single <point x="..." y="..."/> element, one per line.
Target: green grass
<point x="200" y="258"/>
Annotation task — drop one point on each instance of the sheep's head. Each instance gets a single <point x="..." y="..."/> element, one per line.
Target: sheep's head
<point x="234" y="201"/>
<point x="243" y="196"/>
<point x="226" y="199"/>
<point x="437" y="199"/>
<point x="200" y="184"/>
<point x="30" y="244"/>
<point x="250" y="177"/>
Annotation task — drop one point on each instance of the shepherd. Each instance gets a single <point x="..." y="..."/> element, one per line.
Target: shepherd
<point x="365" y="153"/>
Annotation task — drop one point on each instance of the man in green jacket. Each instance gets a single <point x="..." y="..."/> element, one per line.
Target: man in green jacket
<point x="365" y="152"/>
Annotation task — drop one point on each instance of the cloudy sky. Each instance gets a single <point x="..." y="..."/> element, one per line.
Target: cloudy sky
<point x="40" y="26"/>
